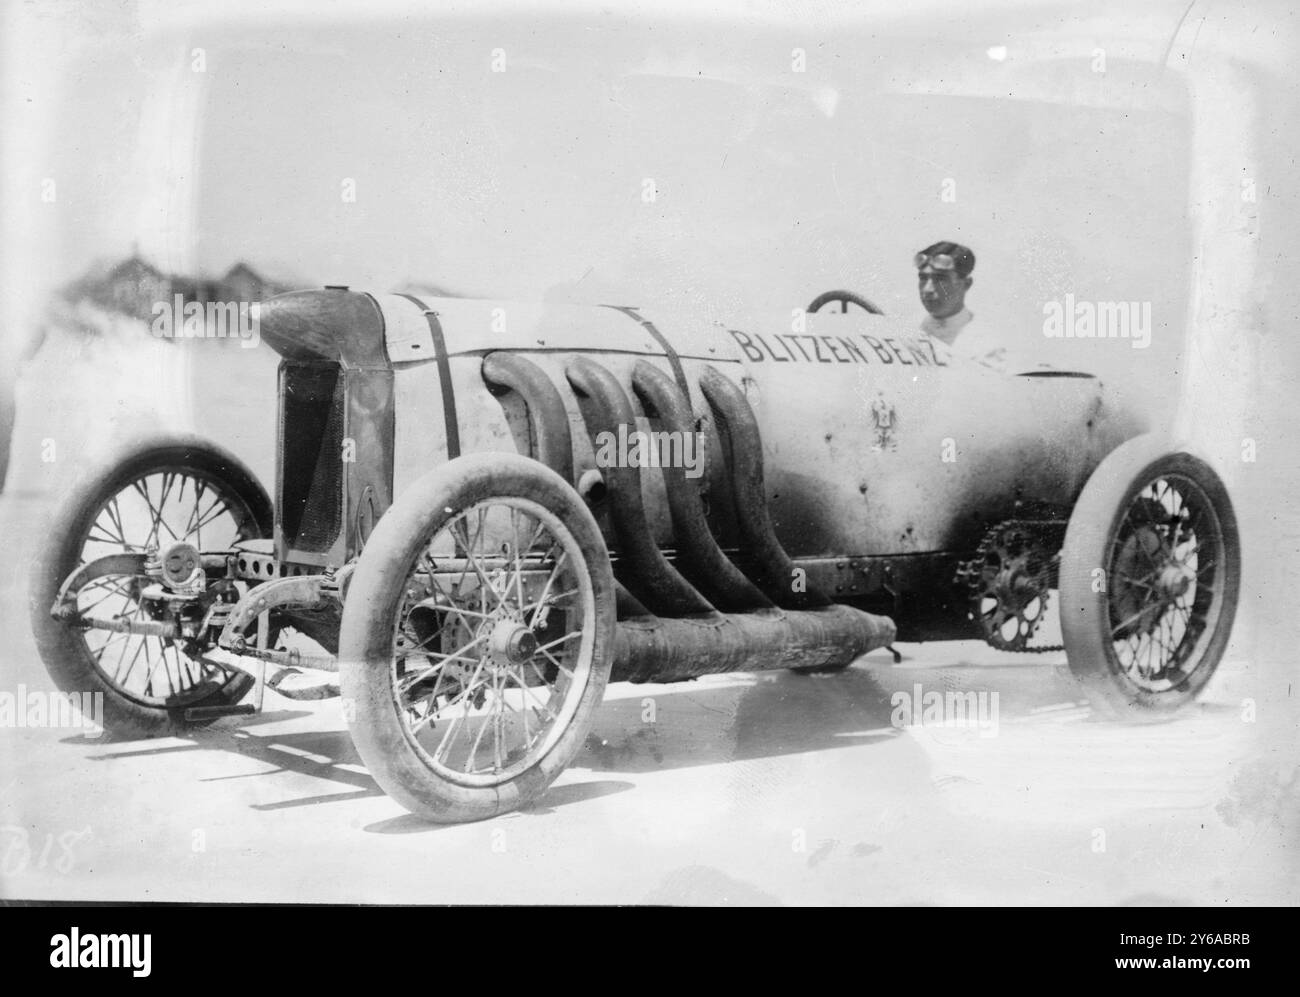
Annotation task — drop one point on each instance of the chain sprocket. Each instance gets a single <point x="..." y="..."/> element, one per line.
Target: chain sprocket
<point x="1009" y="580"/>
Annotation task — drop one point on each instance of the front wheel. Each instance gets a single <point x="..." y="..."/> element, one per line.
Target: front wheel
<point x="1150" y="574"/>
<point x="477" y="636"/>
<point x="154" y="494"/>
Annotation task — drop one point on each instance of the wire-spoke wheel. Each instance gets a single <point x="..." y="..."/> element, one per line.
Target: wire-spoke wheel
<point x="476" y="639"/>
<point x="1150" y="575"/>
<point x="180" y="497"/>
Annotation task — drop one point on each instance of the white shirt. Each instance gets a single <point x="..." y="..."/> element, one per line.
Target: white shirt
<point x="947" y="328"/>
<point x="975" y="343"/>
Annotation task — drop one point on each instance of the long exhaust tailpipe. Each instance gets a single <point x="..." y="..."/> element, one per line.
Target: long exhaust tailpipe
<point x="661" y="650"/>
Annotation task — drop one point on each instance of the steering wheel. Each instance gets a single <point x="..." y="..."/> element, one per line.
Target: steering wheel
<point x="845" y="298"/>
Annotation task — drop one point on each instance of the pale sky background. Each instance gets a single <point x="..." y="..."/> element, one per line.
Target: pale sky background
<point x="772" y="185"/>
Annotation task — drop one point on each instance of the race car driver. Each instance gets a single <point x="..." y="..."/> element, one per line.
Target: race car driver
<point x="944" y="277"/>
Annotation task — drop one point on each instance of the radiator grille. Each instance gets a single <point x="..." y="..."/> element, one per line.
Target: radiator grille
<point x="311" y="478"/>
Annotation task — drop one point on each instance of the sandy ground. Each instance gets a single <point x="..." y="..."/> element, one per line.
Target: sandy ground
<point x="745" y="789"/>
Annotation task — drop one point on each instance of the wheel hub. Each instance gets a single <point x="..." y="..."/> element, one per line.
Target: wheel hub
<point x="1174" y="580"/>
<point x="181" y="568"/>
<point x="1148" y="577"/>
<point x="1014" y="588"/>
<point x="512" y="643"/>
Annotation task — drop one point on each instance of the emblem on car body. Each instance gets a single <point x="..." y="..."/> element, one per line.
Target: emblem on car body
<point x="884" y="417"/>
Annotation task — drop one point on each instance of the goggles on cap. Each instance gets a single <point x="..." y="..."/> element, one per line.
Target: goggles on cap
<point x="939" y="261"/>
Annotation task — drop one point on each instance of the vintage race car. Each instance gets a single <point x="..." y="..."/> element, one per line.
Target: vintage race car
<point x="486" y="511"/>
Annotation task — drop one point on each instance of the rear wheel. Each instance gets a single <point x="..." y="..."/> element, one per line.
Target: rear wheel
<point x="1150" y="575"/>
<point x="477" y="637"/>
<point x="156" y="494"/>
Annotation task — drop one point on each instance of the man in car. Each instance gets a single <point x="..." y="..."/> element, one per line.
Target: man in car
<point x="944" y="276"/>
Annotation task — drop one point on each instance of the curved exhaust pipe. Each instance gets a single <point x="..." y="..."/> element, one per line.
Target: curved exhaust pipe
<point x="773" y="569"/>
<point x="548" y="422"/>
<point x="705" y="564"/>
<point x="641" y="565"/>
<point x="550" y="438"/>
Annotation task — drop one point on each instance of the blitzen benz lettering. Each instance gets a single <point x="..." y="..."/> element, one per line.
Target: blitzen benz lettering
<point x="789" y="347"/>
